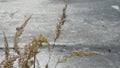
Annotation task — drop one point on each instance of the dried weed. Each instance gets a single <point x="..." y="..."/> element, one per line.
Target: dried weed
<point x="18" y="34"/>
<point x="78" y="53"/>
<point x="6" y="46"/>
<point x="60" y="24"/>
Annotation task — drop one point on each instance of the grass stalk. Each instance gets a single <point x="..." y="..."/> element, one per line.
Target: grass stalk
<point x="18" y="34"/>
<point x="34" y="60"/>
<point x="7" y="50"/>
<point x="60" y="24"/>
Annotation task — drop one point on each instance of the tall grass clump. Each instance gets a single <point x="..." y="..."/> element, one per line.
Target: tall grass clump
<point x="27" y="57"/>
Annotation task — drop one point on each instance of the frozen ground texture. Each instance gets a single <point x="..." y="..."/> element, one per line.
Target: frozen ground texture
<point x="88" y="21"/>
<point x="91" y="24"/>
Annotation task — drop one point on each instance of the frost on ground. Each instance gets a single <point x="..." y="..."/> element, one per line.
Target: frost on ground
<point x="92" y="23"/>
<point x="88" y="22"/>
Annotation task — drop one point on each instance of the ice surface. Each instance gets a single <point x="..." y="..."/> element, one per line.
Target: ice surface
<point x="87" y="22"/>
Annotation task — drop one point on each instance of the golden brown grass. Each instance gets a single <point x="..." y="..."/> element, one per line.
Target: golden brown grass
<point x="18" y="34"/>
<point x="75" y="53"/>
<point x="78" y="53"/>
<point x="31" y="49"/>
<point x="6" y="46"/>
<point x="8" y="63"/>
<point x="60" y="24"/>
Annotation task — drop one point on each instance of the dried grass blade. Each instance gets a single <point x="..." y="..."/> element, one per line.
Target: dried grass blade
<point x="60" y="24"/>
<point x="34" y="60"/>
<point x="19" y="33"/>
<point x="16" y="47"/>
<point x="21" y="28"/>
<point x="64" y="15"/>
<point x="6" y="46"/>
<point x="46" y="66"/>
<point x="78" y="53"/>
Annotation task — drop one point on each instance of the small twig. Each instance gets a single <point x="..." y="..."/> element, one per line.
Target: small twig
<point x="34" y="61"/>
<point x="46" y="65"/>
<point x="6" y="46"/>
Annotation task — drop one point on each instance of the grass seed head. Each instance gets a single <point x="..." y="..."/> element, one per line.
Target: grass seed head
<point x="78" y="53"/>
<point x="9" y="62"/>
<point x="18" y="34"/>
<point x="60" y="24"/>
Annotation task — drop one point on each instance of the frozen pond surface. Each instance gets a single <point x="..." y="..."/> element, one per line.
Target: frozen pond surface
<point x="88" y="21"/>
<point x="91" y="25"/>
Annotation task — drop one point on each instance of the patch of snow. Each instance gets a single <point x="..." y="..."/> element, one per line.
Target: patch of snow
<point x="116" y="7"/>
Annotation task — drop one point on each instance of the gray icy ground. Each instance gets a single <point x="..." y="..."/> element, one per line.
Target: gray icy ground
<point x="88" y="21"/>
<point x="91" y="25"/>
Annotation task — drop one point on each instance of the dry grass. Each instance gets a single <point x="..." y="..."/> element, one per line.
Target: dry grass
<point x="8" y="63"/>
<point x="31" y="49"/>
<point x="78" y="53"/>
<point x="6" y="46"/>
<point x="60" y="24"/>
<point x="75" y="53"/>
<point x="18" y="34"/>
